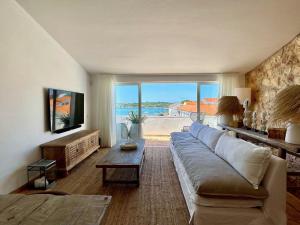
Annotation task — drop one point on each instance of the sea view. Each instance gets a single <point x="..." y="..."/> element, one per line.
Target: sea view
<point x="148" y="111"/>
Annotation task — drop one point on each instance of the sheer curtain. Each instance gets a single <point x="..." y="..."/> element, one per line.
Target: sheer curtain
<point x="103" y="108"/>
<point x="228" y="83"/>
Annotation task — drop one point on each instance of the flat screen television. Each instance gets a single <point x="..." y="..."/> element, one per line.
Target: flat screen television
<point x="66" y="110"/>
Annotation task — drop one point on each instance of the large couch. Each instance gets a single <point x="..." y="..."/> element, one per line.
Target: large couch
<point x="226" y="180"/>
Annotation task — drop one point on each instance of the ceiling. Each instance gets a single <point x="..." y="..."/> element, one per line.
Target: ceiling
<point x="168" y="36"/>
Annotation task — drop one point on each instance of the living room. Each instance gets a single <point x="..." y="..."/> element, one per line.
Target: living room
<point x="193" y="91"/>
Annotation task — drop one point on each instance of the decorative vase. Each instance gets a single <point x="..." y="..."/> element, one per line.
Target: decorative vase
<point x="135" y="131"/>
<point x="293" y="133"/>
<point x="263" y="123"/>
<point x="247" y="119"/>
<point x="226" y="120"/>
<point x="254" y="120"/>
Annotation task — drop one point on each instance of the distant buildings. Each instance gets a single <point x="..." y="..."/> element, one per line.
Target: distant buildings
<point x="207" y="105"/>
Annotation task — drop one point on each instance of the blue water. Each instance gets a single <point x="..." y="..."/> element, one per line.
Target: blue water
<point x="148" y="111"/>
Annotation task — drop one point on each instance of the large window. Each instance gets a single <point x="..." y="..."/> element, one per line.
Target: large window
<point x="127" y="100"/>
<point x="167" y="107"/>
<point x="209" y="94"/>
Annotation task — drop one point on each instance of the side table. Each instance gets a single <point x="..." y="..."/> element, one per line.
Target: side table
<point x="42" y="166"/>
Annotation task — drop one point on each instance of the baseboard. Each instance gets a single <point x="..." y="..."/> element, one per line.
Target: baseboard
<point x="24" y="186"/>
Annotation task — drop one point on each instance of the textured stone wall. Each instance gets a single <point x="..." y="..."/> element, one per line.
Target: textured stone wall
<point x="275" y="73"/>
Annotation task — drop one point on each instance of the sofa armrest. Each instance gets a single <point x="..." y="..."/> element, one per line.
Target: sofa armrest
<point x="275" y="182"/>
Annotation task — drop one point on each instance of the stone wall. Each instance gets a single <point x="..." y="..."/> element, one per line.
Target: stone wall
<point x="275" y="73"/>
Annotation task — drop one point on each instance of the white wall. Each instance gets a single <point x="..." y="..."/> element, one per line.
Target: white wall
<point x="30" y="62"/>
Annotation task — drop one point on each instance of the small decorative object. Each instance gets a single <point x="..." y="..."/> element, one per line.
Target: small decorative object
<point x="128" y="146"/>
<point x="277" y="133"/>
<point x="244" y="96"/>
<point x="286" y="109"/>
<point x="263" y="123"/>
<point x="135" y="131"/>
<point x="41" y="182"/>
<point x="247" y="115"/>
<point x="229" y="107"/>
<point x="254" y="120"/>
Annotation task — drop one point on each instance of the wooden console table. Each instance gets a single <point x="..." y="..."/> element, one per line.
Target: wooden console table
<point x="283" y="147"/>
<point x="70" y="150"/>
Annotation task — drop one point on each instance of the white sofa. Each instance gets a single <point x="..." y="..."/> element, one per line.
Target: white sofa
<point x="202" y="173"/>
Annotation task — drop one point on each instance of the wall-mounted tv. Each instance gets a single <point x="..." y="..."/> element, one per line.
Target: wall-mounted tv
<point x="66" y="110"/>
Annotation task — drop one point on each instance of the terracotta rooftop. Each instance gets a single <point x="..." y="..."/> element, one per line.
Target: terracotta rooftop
<point x="207" y="105"/>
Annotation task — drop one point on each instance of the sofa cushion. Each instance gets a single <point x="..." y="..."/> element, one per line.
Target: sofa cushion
<point x="195" y="128"/>
<point x="210" y="137"/>
<point x="202" y="132"/>
<point x="212" y="176"/>
<point x="182" y="138"/>
<point x="250" y="160"/>
<point x="224" y="202"/>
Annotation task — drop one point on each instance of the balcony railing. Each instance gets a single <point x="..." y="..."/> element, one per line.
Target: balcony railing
<point x="164" y="125"/>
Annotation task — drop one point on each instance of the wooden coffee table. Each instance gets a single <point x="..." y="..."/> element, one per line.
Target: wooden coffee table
<point x="117" y="158"/>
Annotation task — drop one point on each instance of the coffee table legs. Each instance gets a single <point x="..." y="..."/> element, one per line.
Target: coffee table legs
<point x="104" y="176"/>
<point x="138" y="176"/>
<point x="105" y="181"/>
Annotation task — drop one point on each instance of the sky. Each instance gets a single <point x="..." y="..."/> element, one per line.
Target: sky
<point x="165" y="92"/>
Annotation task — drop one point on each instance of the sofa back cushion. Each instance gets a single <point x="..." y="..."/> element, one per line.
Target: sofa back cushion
<point x="249" y="160"/>
<point x="195" y="128"/>
<point x="210" y="136"/>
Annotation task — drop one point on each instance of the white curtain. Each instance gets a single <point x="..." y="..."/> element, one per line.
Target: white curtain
<point x="103" y="108"/>
<point x="228" y="83"/>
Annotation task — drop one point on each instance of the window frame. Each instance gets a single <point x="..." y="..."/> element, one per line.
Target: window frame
<point x="139" y="85"/>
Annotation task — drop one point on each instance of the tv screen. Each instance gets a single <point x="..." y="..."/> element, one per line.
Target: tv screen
<point x="66" y="110"/>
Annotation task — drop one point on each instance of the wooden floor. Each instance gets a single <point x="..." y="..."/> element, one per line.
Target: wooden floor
<point x="158" y="200"/>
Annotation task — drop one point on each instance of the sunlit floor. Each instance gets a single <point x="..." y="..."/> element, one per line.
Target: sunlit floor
<point x="157" y="137"/>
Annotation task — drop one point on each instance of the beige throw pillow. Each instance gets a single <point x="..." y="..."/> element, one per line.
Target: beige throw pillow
<point x="251" y="161"/>
<point x="210" y="137"/>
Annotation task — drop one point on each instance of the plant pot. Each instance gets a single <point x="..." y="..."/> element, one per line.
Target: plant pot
<point x="135" y="131"/>
<point x="293" y="133"/>
<point x="226" y="120"/>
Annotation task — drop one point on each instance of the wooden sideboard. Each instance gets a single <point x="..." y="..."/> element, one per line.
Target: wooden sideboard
<point x="70" y="150"/>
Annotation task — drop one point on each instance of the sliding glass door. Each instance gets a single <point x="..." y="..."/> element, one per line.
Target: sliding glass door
<point x="208" y="96"/>
<point x="127" y="102"/>
<point x="166" y="107"/>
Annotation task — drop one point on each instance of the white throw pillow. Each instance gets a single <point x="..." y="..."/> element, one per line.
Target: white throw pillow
<point x="250" y="160"/>
<point x="210" y="137"/>
<point x="195" y="128"/>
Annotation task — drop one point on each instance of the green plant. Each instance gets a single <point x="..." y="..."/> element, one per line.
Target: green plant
<point x="134" y="118"/>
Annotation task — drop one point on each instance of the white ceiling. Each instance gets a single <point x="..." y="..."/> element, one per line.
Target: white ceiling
<point x="168" y="36"/>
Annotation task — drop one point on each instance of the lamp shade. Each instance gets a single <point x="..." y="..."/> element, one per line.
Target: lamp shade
<point x="243" y="94"/>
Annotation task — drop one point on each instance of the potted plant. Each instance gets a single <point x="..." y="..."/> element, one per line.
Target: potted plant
<point x="228" y="107"/>
<point x="286" y="109"/>
<point x="135" y="130"/>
